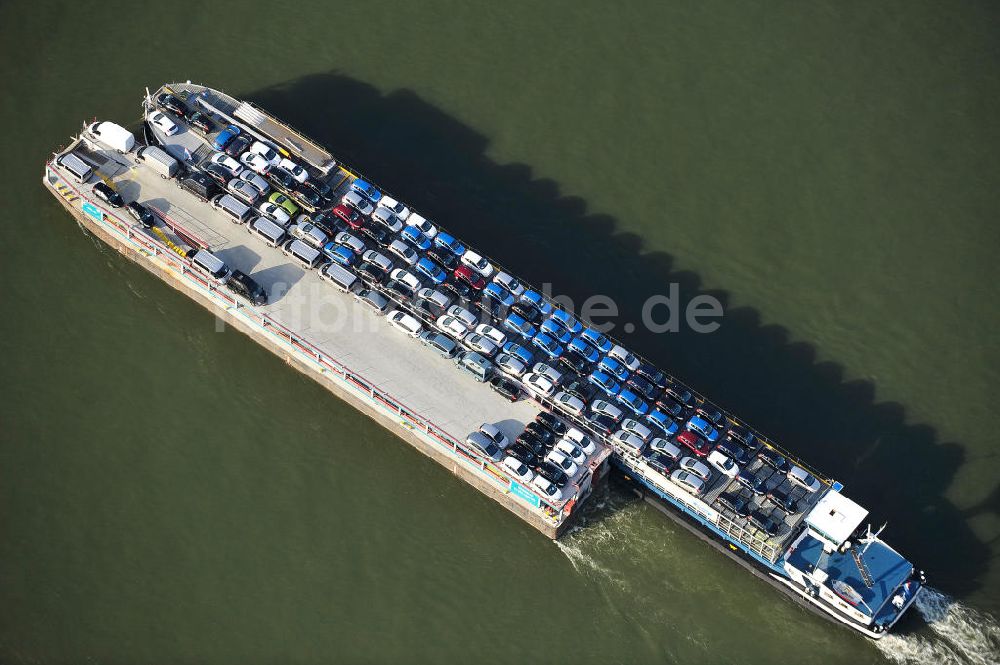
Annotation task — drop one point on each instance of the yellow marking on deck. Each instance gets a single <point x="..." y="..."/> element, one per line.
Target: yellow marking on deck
<point x="168" y="242"/>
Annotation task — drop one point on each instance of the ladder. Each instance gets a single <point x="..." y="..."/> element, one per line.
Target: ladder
<point x="865" y="575"/>
<point x="250" y="115"/>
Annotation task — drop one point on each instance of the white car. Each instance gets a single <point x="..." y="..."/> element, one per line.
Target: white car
<point x="548" y="372"/>
<point x="405" y="323"/>
<point x="407" y="278"/>
<point x="510" y="283"/>
<point x="518" y="469"/>
<point x="259" y="183"/>
<point x="403" y="251"/>
<point x="227" y="162"/>
<point x="254" y="162"/>
<point x="477" y="263"/>
<point x="310" y="234"/>
<point x="163" y="123"/>
<point x="697" y="467"/>
<point x="665" y="447"/>
<point x="467" y="318"/>
<point x="274" y="212"/>
<point x="637" y="428"/>
<point x="425" y="225"/>
<point x="353" y="243"/>
<point x="451" y="326"/>
<point x="582" y="441"/>
<point x="563" y="462"/>
<point x="387" y="218"/>
<point x="495" y="335"/>
<point x="510" y="365"/>
<point x="569" y="449"/>
<point x="538" y="385"/>
<point x="480" y="343"/>
<point x="569" y="403"/>
<point x="688" y="482"/>
<point x="494" y="434"/>
<point x="723" y="463"/>
<point x="266" y="152"/>
<point x="358" y="202"/>
<point x="622" y="355"/>
<point x="606" y="408"/>
<point x="297" y="171"/>
<point x="628" y="439"/>
<point x="548" y="489"/>
<point x="803" y="478"/>
<point x="395" y="206"/>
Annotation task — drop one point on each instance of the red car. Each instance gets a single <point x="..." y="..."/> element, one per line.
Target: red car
<point x="350" y="216"/>
<point x="470" y="277"/>
<point x="695" y="443"/>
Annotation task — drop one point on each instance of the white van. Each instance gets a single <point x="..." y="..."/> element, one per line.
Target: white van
<point x="341" y="277"/>
<point x="79" y="169"/>
<point x="210" y="265"/>
<point x="228" y="205"/>
<point x="308" y="257"/>
<point x="158" y="160"/>
<point x="114" y="136"/>
<point x="271" y="233"/>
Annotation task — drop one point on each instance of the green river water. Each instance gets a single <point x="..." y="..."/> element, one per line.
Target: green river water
<point x="170" y="494"/>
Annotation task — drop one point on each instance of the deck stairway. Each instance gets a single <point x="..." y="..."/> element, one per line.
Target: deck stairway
<point x="865" y="575"/>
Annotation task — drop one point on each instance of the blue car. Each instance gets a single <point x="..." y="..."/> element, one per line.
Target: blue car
<point x="412" y="235"/>
<point x="547" y="344"/>
<point x="557" y="331"/>
<point x="519" y="352"/>
<point x="701" y="426"/>
<point x="633" y="401"/>
<point x="584" y="350"/>
<point x="535" y="299"/>
<point x="566" y="320"/>
<point x="367" y="190"/>
<point x="663" y="421"/>
<point x="432" y="270"/>
<point x="225" y="136"/>
<point x="602" y="343"/>
<point x="612" y="366"/>
<point x="518" y="324"/>
<point x="496" y="292"/>
<point x="339" y="253"/>
<point x="605" y="381"/>
<point x="448" y="241"/>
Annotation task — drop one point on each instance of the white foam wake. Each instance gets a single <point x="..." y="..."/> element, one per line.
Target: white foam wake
<point x="960" y="635"/>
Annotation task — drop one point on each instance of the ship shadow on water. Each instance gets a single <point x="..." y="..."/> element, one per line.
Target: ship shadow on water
<point x="901" y="471"/>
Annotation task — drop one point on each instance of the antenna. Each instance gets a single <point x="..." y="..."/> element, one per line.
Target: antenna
<point x="872" y="537"/>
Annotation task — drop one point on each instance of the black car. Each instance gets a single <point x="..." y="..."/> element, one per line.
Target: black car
<point x="661" y="463"/>
<point x="670" y="406"/>
<point x="765" y="522"/>
<point x="506" y="387"/>
<point x="642" y="387"/>
<point x="141" y="214"/>
<point x="172" y="104"/>
<point x="526" y="311"/>
<point x="569" y="365"/>
<point x="578" y="363"/>
<point x="305" y="197"/>
<point x="751" y="481"/>
<point x="681" y="394"/>
<point x="456" y="289"/>
<point x="652" y="374"/>
<point x="737" y="503"/>
<point x="201" y="122"/>
<point x="774" y="460"/>
<point x="491" y="309"/>
<point x="377" y="234"/>
<point x="327" y="223"/>
<point x="399" y="291"/>
<point x="542" y="433"/>
<point x="280" y="178"/>
<point x="242" y="285"/>
<point x="218" y="173"/>
<point x="371" y="272"/>
<point x="550" y="422"/>
<point x="735" y="450"/>
<point x="237" y="146"/>
<point x="320" y="188"/>
<point x="744" y="436"/>
<point x="429" y="309"/>
<point x="585" y="390"/>
<point x="199" y="184"/>
<point x="107" y="193"/>
<point x="784" y="499"/>
<point x="522" y="453"/>
<point x="711" y="413"/>
<point x="532" y="442"/>
<point x="552" y="473"/>
<point x="603" y="424"/>
<point x="447" y="259"/>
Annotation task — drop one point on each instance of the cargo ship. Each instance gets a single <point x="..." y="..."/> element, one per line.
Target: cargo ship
<point x="452" y="352"/>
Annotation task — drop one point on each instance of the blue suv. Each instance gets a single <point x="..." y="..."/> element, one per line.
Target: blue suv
<point x="557" y="331"/>
<point x="225" y="136"/>
<point x="612" y="366"/>
<point x="584" y="350"/>
<point x="432" y="270"/>
<point x="602" y="343"/>
<point x="535" y="299"/>
<point x="367" y="190"/>
<point x="548" y="344"/>
<point x="566" y="320"/>
<point x="605" y="381"/>
<point x="449" y="242"/>
<point x="701" y="426"/>
<point x="519" y="352"/>
<point x="412" y="235"/>
<point x="496" y="292"/>
<point x="518" y="324"/>
<point x="633" y="401"/>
